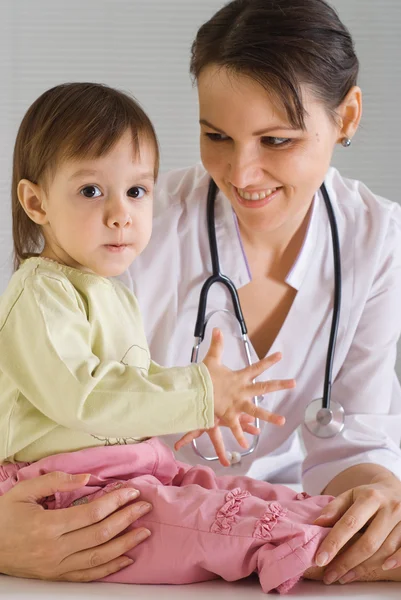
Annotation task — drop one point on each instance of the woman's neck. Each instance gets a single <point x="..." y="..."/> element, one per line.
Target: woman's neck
<point x="273" y="253"/>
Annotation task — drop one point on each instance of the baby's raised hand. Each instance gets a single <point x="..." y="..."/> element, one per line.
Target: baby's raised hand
<point x="234" y="390"/>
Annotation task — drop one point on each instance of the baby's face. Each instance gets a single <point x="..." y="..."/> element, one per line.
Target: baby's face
<point x="99" y="211"/>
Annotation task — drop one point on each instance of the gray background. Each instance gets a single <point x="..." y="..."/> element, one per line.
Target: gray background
<point x="142" y="46"/>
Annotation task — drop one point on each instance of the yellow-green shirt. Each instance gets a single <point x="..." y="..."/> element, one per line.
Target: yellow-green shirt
<point x="75" y="368"/>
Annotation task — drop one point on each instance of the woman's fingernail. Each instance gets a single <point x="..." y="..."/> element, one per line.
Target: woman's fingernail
<point x="84" y="477"/>
<point x="132" y="494"/>
<point x="144" y="508"/>
<point x="322" y="559"/>
<point x="348" y="577"/>
<point x="330" y="578"/>
<point x="142" y="535"/>
<point x="126" y="562"/>
<point x="389" y="564"/>
<point x="324" y="516"/>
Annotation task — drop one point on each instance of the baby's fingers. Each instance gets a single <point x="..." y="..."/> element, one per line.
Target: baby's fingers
<point x="216" y="437"/>
<point x="188" y="438"/>
<point x="248" y="428"/>
<point x="238" y="432"/>
<point x="260" y="413"/>
<point x="259" y="367"/>
<point x="267" y="387"/>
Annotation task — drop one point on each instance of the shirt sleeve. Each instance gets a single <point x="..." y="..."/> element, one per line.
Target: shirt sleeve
<point x="46" y="349"/>
<point x="366" y="385"/>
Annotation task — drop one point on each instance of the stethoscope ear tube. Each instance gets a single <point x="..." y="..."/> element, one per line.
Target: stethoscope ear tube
<point x="217" y="276"/>
<point x="337" y="299"/>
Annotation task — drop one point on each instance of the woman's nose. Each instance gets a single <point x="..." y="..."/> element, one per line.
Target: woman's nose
<point x="245" y="168"/>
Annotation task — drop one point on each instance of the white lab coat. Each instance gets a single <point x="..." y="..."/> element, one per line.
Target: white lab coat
<point x="167" y="279"/>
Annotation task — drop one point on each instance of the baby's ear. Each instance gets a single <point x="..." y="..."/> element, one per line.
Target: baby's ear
<point x="32" y="199"/>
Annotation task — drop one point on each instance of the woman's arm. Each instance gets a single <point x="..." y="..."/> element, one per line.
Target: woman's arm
<point x="355" y="476"/>
<point x="362" y="465"/>
<point x="81" y="543"/>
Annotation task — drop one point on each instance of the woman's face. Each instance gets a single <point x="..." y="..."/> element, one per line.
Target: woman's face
<point x="267" y="169"/>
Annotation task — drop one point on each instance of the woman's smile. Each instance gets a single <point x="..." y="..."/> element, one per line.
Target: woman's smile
<point x="255" y="199"/>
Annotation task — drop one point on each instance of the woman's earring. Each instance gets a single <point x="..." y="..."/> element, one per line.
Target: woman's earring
<point x="346" y="142"/>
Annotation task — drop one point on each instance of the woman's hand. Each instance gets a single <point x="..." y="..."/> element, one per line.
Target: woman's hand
<point x="216" y="437"/>
<point x="374" y="510"/>
<point x="72" y="544"/>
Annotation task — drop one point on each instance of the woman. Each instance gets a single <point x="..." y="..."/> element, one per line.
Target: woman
<point x="277" y="92"/>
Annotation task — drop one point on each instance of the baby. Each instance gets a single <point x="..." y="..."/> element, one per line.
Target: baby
<point x="78" y="389"/>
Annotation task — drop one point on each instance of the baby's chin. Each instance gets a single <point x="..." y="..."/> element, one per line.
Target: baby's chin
<point x="111" y="270"/>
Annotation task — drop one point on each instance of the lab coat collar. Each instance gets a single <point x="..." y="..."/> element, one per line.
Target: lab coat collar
<point x="233" y="261"/>
<point x="302" y="263"/>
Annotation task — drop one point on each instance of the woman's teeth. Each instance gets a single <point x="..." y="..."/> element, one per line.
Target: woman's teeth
<point x="255" y="195"/>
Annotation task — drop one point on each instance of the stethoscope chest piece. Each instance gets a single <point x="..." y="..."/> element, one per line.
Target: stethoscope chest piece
<point x="324" y="422"/>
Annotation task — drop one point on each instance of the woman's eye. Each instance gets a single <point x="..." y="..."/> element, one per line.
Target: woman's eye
<point x="91" y="191"/>
<point x="275" y="141"/>
<point x="136" y="192"/>
<point x="217" y="137"/>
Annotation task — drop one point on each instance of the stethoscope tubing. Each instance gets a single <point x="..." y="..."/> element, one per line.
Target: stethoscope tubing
<point x="218" y="277"/>
<point x="336" y="302"/>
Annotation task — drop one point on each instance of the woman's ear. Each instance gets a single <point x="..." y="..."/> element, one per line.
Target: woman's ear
<point x="350" y="113"/>
<point x="31" y="197"/>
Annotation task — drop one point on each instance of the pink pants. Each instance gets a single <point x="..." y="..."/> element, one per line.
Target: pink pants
<point x="202" y="526"/>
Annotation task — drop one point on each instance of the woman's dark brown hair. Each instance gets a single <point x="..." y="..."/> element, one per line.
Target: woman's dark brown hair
<point x="69" y="121"/>
<point x="281" y="44"/>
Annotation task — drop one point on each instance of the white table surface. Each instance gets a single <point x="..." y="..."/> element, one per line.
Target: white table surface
<point x="21" y="589"/>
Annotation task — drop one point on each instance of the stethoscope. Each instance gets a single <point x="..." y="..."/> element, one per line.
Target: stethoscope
<point x="324" y="418"/>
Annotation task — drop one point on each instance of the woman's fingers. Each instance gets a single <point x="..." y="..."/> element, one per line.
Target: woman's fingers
<point x="346" y="527"/>
<point x="87" y="575"/>
<point x="364" y="548"/>
<point x="71" y="521"/>
<point x="373" y="568"/>
<point x="105" y="530"/>
<point x="103" y="560"/>
<point x="335" y="510"/>
<point x="35" y="489"/>
<point x="392" y="549"/>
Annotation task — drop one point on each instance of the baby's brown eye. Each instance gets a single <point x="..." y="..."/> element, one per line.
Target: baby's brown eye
<point x="90" y="191"/>
<point x="136" y="192"/>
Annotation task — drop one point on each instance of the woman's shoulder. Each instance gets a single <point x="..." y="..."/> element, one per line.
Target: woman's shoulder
<point x="353" y="196"/>
<point x="368" y="222"/>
